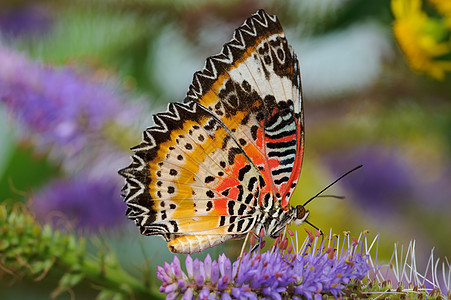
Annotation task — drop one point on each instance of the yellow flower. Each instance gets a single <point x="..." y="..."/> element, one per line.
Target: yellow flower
<point x="418" y="37"/>
<point x="443" y="6"/>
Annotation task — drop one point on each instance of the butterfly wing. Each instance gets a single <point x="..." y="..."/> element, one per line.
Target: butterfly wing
<point x="186" y="178"/>
<point x="254" y="87"/>
<point x="209" y="166"/>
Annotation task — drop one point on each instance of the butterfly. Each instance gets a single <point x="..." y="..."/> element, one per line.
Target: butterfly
<point x="226" y="161"/>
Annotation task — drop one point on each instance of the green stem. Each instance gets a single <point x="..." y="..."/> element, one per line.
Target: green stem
<point x="26" y="248"/>
<point x="114" y="278"/>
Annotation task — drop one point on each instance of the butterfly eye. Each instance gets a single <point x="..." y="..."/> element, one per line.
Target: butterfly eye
<point x="301" y="215"/>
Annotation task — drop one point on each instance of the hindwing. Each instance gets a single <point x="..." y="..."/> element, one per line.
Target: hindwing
<point x="188" y="175"/>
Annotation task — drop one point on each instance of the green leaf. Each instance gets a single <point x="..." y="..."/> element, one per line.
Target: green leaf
<point x="70" y="280"/>
<point x="4" y="244"/>
<point x="41" y="266"/>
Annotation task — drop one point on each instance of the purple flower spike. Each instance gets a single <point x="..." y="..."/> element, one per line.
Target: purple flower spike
<point x="171" y="288"/>
<point x="197" y="265"/>
<point x="314" y="272"/>
<point x="67" y="112"/>
<point x="207" y="267"/>
<point x="214" y="272"/>
<point x="58" y="103"/>
<point x="225" y="266"/>
<point x="75" y="117"/>
<point x="189" y="266"/>
<point x="175" y="265"/>
<point x="311" y="273"/>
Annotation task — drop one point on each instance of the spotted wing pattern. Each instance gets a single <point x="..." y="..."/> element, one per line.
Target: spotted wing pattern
<point x="254" y="87"/>
<point x="210" y="167"/>
<point x="187" y="176"/>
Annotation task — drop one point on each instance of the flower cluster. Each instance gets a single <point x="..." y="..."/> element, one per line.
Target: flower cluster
<point x="311" y="271"/>
<point x="66" y="108"/>
<point x="315" y="269"/>
<point x="81" y="119"/>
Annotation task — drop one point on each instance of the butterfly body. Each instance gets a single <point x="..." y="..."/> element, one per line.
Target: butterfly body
<point x="225" y="161"/>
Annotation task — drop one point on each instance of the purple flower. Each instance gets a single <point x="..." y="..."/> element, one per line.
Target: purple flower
<point x="200" y="275"/>
<point x="91" y="204"/>
<point x="313" y="271"/>
<point x="25" y="19"/>
<point x="310" y="272"/>
<point x="384" y="183"/>
<point x="81" y="119"/>
<point x="396" y="187"/>
<point x="66" y="108"/>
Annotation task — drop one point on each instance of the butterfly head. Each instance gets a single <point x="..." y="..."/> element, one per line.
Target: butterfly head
<point x="301" y="215"/>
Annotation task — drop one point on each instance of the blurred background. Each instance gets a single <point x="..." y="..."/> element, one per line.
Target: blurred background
<point x="79" y="81"/>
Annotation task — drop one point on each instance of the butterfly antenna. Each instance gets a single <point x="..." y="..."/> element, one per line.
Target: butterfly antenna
<point x="334" y="182"/>
<point x="331" y="196"/>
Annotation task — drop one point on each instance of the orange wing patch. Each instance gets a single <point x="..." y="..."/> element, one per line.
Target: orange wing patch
<point x="193" y="175"/>
<point x="216" y="166"/>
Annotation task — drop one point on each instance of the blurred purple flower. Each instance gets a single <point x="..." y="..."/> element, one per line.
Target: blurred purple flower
<point x="390" y="180"/>
<point x="61" y="105"/>
<point x="83" y="203"/>
<point x="385" y="181"/>
<point x="80" y="119"/>
<point x="270" y="275"/>
<point x="27" y="19"/>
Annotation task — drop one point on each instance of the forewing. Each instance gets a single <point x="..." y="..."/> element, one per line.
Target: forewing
<point x="253" y="86"/>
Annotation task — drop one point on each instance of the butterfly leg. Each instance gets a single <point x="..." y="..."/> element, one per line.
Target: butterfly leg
<point x="259" y="238"/>
<point x="253" y="246"/>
